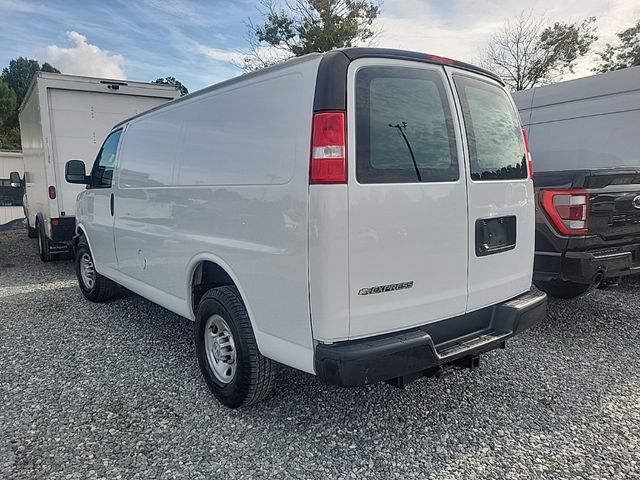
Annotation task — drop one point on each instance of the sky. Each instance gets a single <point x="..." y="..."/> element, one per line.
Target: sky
<point x="201" y="42"/>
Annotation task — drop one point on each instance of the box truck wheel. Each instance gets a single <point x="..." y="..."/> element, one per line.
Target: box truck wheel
<point x="562" y="289"/>
<point x="227" y="351"/>
<point x="31" y="232"/>
<point x="94" y="286"/>
<point x="44" y="244"/>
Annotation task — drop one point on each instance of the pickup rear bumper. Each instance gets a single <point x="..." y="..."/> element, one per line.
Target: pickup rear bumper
<point x="424" y="351"/>
<point x="588" y="266"/>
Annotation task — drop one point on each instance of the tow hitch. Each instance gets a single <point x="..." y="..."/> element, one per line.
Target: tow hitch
<point x="470" y="362"/>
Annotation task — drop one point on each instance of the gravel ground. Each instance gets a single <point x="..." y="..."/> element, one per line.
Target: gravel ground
<point x="113" y="391"/>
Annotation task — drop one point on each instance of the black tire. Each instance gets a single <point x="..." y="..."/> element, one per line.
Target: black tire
<point x="102" y="288"/>
<point x="562" y="289"/>
<point x="254" y="375"/>
<point x="44" y="245"/>
<point x="31" y="232"/>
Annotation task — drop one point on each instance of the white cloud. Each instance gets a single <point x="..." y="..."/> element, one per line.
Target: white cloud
<point x="85" y="59"/>
<point x="460" y="28"/>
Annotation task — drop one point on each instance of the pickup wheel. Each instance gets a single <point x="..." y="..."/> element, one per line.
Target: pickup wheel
<point x="562" y="289"/>
<point x="235" y="371"/>
<point x="44" y="244"/>
<point x="94" y="286"/>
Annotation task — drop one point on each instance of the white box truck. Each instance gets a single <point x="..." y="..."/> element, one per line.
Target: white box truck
<point x="363" y="215"/>
<point x="63" y="117"/>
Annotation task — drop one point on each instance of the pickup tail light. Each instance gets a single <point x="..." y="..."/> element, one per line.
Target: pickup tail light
<point x="328" y="149"/>
<point x="568" y="210"/>
<point x="525" y="136"/>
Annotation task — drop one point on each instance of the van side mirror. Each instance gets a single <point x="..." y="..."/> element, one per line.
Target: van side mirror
<point x="74" y="172"/>
<point x="14" y="179"/>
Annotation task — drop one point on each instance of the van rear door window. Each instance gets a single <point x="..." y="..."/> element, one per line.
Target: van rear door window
<point x="404" y="127"/>
<point x="494" y="133"/>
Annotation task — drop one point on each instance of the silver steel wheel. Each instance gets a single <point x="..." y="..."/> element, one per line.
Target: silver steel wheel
<point x="220" y="348"/>
<point x="87" y="271"/>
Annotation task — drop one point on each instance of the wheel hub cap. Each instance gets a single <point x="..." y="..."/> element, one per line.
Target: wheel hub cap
<point x="87" y="271"/>
<point x="221" y="348"/>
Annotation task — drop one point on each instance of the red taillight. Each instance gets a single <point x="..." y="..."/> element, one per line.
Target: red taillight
<point x="328" y="148"/>
<point x="567" y="209"/>
<point x="528" y="152"/>
<point x="55" y="222"/>
<point x="52" y="192"/>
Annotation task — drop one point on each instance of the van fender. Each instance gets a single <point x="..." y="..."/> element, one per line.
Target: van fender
<point x="80" y="230"/>
<point x="191" y="268"/>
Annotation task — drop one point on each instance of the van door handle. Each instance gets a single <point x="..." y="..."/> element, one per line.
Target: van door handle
<point x="111" y="204"/>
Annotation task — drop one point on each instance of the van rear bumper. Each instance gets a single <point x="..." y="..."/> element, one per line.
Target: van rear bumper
<point x="426" y="350"/>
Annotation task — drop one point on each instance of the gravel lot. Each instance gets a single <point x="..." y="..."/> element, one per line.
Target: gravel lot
<point x="114" y="391"/>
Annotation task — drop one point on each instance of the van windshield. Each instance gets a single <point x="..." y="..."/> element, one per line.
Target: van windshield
<point x="494" y="133"/>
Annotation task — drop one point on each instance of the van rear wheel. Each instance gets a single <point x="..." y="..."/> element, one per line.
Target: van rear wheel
<point x="235" y="371"/>
<point x="562" y="289"/>
<point x="94" y="286"/>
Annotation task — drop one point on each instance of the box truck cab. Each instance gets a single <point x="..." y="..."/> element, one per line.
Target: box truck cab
<point x="363" y="215"/>
<point x="64" y="117"/>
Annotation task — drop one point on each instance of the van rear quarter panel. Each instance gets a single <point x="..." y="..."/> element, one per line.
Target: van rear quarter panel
<point x="225" y="177"/>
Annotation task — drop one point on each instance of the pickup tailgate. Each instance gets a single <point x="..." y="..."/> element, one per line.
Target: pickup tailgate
<point x="614" y="204"/>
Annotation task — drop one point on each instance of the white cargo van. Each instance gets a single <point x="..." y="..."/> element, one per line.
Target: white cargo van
<point x="64" y="117"/>
<point x="363" y="215"/>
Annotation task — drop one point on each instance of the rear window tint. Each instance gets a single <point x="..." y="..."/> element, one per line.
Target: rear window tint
<point x="404" y="129"/>
<point x="494" y="133"/>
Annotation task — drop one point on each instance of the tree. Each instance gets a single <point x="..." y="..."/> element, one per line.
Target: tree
<point x="7" y="102"/>
<point x="9" y="136"/>
<point x="625" y="54"/>
<point x="20" y="72"/>
<point x="17" y="77"/>
<point x="526" y="53"/>
<point x="308" y="26"/>
<point x="174" y="83"/>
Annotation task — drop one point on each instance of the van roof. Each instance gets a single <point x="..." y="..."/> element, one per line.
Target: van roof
<point x="330" y="87"/>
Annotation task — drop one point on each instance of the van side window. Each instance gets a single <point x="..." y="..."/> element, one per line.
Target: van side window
<point x="494" y="133"/>
<point x="404" y="127"/>
<point x="102" y="171"/>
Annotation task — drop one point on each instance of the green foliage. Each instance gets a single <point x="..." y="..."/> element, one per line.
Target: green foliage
<point x="20" y="72"/>
<point x="309" y="26"/>
<point x="626" y="53"/>
<point x="526" y="53"/>
<point x="7" y="102"/>
<point x="174" y="83"/>
<point x="14" y="83"/>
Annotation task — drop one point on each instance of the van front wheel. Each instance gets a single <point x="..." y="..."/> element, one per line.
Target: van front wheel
<point x="235" y="371"/>
<point x="94" y="286"/>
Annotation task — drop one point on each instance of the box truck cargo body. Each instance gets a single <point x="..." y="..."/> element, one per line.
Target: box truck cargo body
<point x="66" y="117"/>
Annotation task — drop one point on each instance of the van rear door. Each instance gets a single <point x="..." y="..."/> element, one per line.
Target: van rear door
<point x="408" y="226"/>
<point x="500" y="192"/>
